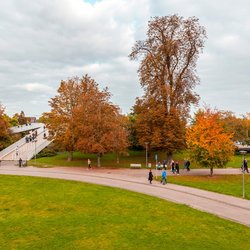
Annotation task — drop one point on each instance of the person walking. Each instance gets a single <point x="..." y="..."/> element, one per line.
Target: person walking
<point x="173" y="166"/>
<point x="164" y="163"/>
<point x="159" y="167"/>
<point x="177" y="167"/>
<point x="20" y="161"/>
<point x="245" y="166"/>
<point x="164" y="176"/>
<point x="150" y="176"/>
<point x="188" y="165"/>
<point x="89" y="164"/>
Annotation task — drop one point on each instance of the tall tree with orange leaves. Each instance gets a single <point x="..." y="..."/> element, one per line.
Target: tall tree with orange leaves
<point x="210" y="145"/>
<point x="83" y="118"/>
<point x="168" y="76"/>
<point x="4" y="129"/>
<point x="60" y="120"/>
<point x="98" y="122"/>
<point x="120" y="136"/>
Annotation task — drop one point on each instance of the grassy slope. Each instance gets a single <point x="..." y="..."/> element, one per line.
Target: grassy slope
<point x="37" y="213"/>
<point x="109" y="160"/>
<point x="225" y="184"/>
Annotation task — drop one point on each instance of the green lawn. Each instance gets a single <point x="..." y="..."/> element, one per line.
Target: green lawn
<point x="109" y="160"/>
<point x="225" y="184"/>
<point x="40" y="213"/>
<point x="80" y="159"/>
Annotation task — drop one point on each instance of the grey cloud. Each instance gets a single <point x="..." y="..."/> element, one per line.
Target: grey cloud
<point x="46" y="41"/>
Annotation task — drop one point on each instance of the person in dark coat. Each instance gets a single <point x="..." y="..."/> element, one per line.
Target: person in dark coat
<point x="188" y="165"/>
<point x="150" y="176"/>
<point x="173" y="166"/>
<point x="245" y="166"/>
<point x="177" y="167"/>
<point x="20" y="162"/>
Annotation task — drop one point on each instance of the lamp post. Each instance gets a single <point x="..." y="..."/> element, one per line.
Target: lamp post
<point x="35" y="149"/>
<point x="146" y="154"/>
<point x="243" y="153"/>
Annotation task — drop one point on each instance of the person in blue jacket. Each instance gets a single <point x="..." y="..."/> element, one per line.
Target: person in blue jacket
<point x="164" y="176"/>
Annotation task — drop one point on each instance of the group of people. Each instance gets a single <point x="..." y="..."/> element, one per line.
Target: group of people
<point x="174" y="167"/>
<point x="26" y="124"/>
<point x="31" y="137"/>
<point x="163" y="176"/>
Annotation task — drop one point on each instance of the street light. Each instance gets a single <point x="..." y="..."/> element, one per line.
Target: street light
<point x="243" y="153"/>
<point x="35" y="149"/>
<point x="146" y="154"/>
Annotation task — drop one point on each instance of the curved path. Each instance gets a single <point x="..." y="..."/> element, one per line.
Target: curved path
<point x="225" y="206"/>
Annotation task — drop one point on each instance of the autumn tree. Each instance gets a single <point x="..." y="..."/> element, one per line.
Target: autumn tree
<point x="83" y="118"/>
<point x="210" y="145"/>
<point x="238" y="126"/>
<point x="154" y="126"/>
<point x="60" y="120"/>
<point x="22" y="119"/>
<point x="168" y="76"/>
<point x="4" y="129"/>
<point x="132" y="132"/>
<point x="120" y="136"/>
<point x="246" y="121"/>
<point x="98" y="122"/>
<point x="13" y="121"/>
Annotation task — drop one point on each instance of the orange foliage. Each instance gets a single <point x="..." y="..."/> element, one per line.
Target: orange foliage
<point x="168" y="76"/>
<point x="4" y="129"/>
<point x="83" y="118"/>
<point x="208" y="141"/>
<point x="163" y="131"/>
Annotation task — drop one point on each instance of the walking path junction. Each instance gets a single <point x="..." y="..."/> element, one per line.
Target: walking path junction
<point x="225" y="206"/>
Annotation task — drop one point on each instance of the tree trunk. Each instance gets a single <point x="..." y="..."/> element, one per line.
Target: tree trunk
<point x="70" y="155"/>
<point x="211" y="171"/>
<point x="117" y="158"/>
<point x="98" y="160"/>
<point x="169" y="157"/>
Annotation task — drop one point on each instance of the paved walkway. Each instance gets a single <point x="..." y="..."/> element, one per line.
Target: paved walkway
<point x="229" y="207"/>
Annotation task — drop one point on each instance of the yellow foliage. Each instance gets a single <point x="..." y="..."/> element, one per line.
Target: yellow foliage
<point x="207" y="140"/>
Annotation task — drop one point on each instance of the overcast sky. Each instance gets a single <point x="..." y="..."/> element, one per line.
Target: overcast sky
<point x="45" y="41"/>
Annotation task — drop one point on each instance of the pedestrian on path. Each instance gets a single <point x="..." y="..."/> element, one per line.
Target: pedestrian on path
<point x="188" y="165"/>
<point x="173" y="166"/>
<point x="164" y="176"/>
<point x="150" y="176"/>
<point x="164" y="163"/>
<point x="177" y="167"/>
<point x="20" y="162"/>
<point x="89" y="164"/>
<point x="245" y="166"/>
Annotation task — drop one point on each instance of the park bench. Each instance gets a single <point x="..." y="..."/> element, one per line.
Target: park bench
<point x="134" y="165"/>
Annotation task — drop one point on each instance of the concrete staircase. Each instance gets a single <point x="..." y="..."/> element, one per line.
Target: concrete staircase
<point x="23" y="149"/>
